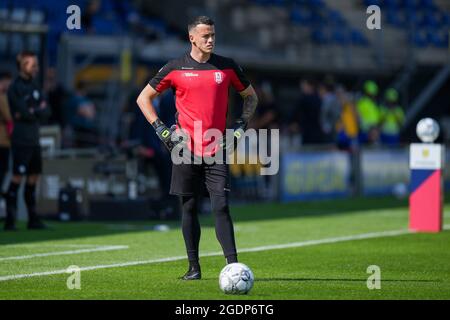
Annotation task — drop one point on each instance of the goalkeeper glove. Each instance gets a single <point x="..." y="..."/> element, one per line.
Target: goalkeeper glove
<point x="165" y="134"/>
<point x="239" y="127"/>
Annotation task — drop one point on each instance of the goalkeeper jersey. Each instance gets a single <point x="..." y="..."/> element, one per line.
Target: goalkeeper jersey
<point x="201" y="94"/>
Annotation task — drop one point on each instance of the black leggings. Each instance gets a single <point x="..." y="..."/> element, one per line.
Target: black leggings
<point x="223" y="223"/>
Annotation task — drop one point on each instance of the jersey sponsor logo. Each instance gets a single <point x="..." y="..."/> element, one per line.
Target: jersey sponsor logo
<point x="190" y="74"/>
<point x="187" y="68"/>
<point x="218" y="77"/>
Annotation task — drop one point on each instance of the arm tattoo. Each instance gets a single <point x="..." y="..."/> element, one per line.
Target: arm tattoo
<point x="249" y="107"/>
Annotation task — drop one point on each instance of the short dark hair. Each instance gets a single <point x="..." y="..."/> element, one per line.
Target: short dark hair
<point x="22" y="55"/>
<point x="200" y="20"/>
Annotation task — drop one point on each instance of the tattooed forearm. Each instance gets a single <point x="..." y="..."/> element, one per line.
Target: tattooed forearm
<point x="249" y="107"/>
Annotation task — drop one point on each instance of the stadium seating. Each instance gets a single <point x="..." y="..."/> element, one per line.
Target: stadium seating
<point x="426" y="23"/>
<point x="323" y="24"/>
<point x="114" y="17"/>
<point x="423" y="22"/>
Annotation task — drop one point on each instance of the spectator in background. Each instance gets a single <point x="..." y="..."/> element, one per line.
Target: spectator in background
<point x="307" y="116"/>
<point x="82" y="118"/>
<point x="57" y="99"/>
<point x="5" y="127"/>
<point x="369" y="114"/>
<point x="347" y="127"/>
<point x="392" y="119"/>
<point x="266" y="115"/>
<point x="330" y="112"/>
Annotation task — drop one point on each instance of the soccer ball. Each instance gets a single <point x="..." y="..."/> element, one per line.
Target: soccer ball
<point x="236" y="278"/>
<point x="427" y="130"/>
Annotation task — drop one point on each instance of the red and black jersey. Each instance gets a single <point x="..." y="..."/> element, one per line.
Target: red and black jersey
<point x="201" y="92"/>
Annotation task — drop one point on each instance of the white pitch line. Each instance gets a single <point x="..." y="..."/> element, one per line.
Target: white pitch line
<point x="372" y="235"/>
<point x="53" y="245"/>
<point x="59" y="253"/>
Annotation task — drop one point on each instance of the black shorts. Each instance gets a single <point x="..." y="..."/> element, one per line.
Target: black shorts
<point x="200" y="179"/>
<point x="26" y="160"/>
<point x="4" y="161"/>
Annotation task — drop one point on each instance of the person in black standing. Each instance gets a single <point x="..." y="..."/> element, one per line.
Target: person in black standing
<point x="28" y="108"/>
<point x="307" y="116"/>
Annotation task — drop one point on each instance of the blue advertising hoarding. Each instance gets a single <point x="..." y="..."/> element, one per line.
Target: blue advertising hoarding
<point x="314" y="175"/>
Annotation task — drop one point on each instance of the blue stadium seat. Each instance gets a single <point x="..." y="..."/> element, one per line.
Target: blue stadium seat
<point x="20" y="4"/>
<point x="316" y="19"/>
<point x="445" y="20"/>
<point x="4" y="4"/>
<point x="427" y="3"/>
<point x="412" y="19"/>
<point x="392" y="4"/>
<point x="318" y="36"/>
<point x="394" y="18"/>
<point x="357" y="38"/>
<point x="372" y="2"/>
<point x="104" y="26"/>
<point x="335" y="18"/>
<point x="106" y="7"/>
<point x="340" y="37"/>
<point x="316" y="3"/>
<point x="430" y="20"/>
<point x="409" y="4"/>
<point x="301" y="16"/>
<point x="437" y="39"/>
<point x="420" y="39"/>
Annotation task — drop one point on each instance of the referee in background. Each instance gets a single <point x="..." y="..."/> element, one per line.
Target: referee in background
<point x="28" y="108"/>
<point x="200" y="80"/>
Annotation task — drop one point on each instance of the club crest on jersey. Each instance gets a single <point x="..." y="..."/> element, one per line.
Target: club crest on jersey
<point x="218" y="77"/>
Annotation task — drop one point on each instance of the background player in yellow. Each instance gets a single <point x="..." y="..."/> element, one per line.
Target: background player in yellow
<point x="369" y="113"/>
<point x="392" y="118"/>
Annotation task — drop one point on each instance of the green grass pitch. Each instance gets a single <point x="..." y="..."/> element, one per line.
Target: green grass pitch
<point x="413" y="266"/>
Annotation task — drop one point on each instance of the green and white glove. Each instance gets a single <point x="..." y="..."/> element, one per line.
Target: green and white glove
<point x="239" y="128"/>
<point x="166" y="135"/>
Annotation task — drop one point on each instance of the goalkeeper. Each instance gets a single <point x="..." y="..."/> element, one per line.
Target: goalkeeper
<point x="200" y="80"/>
